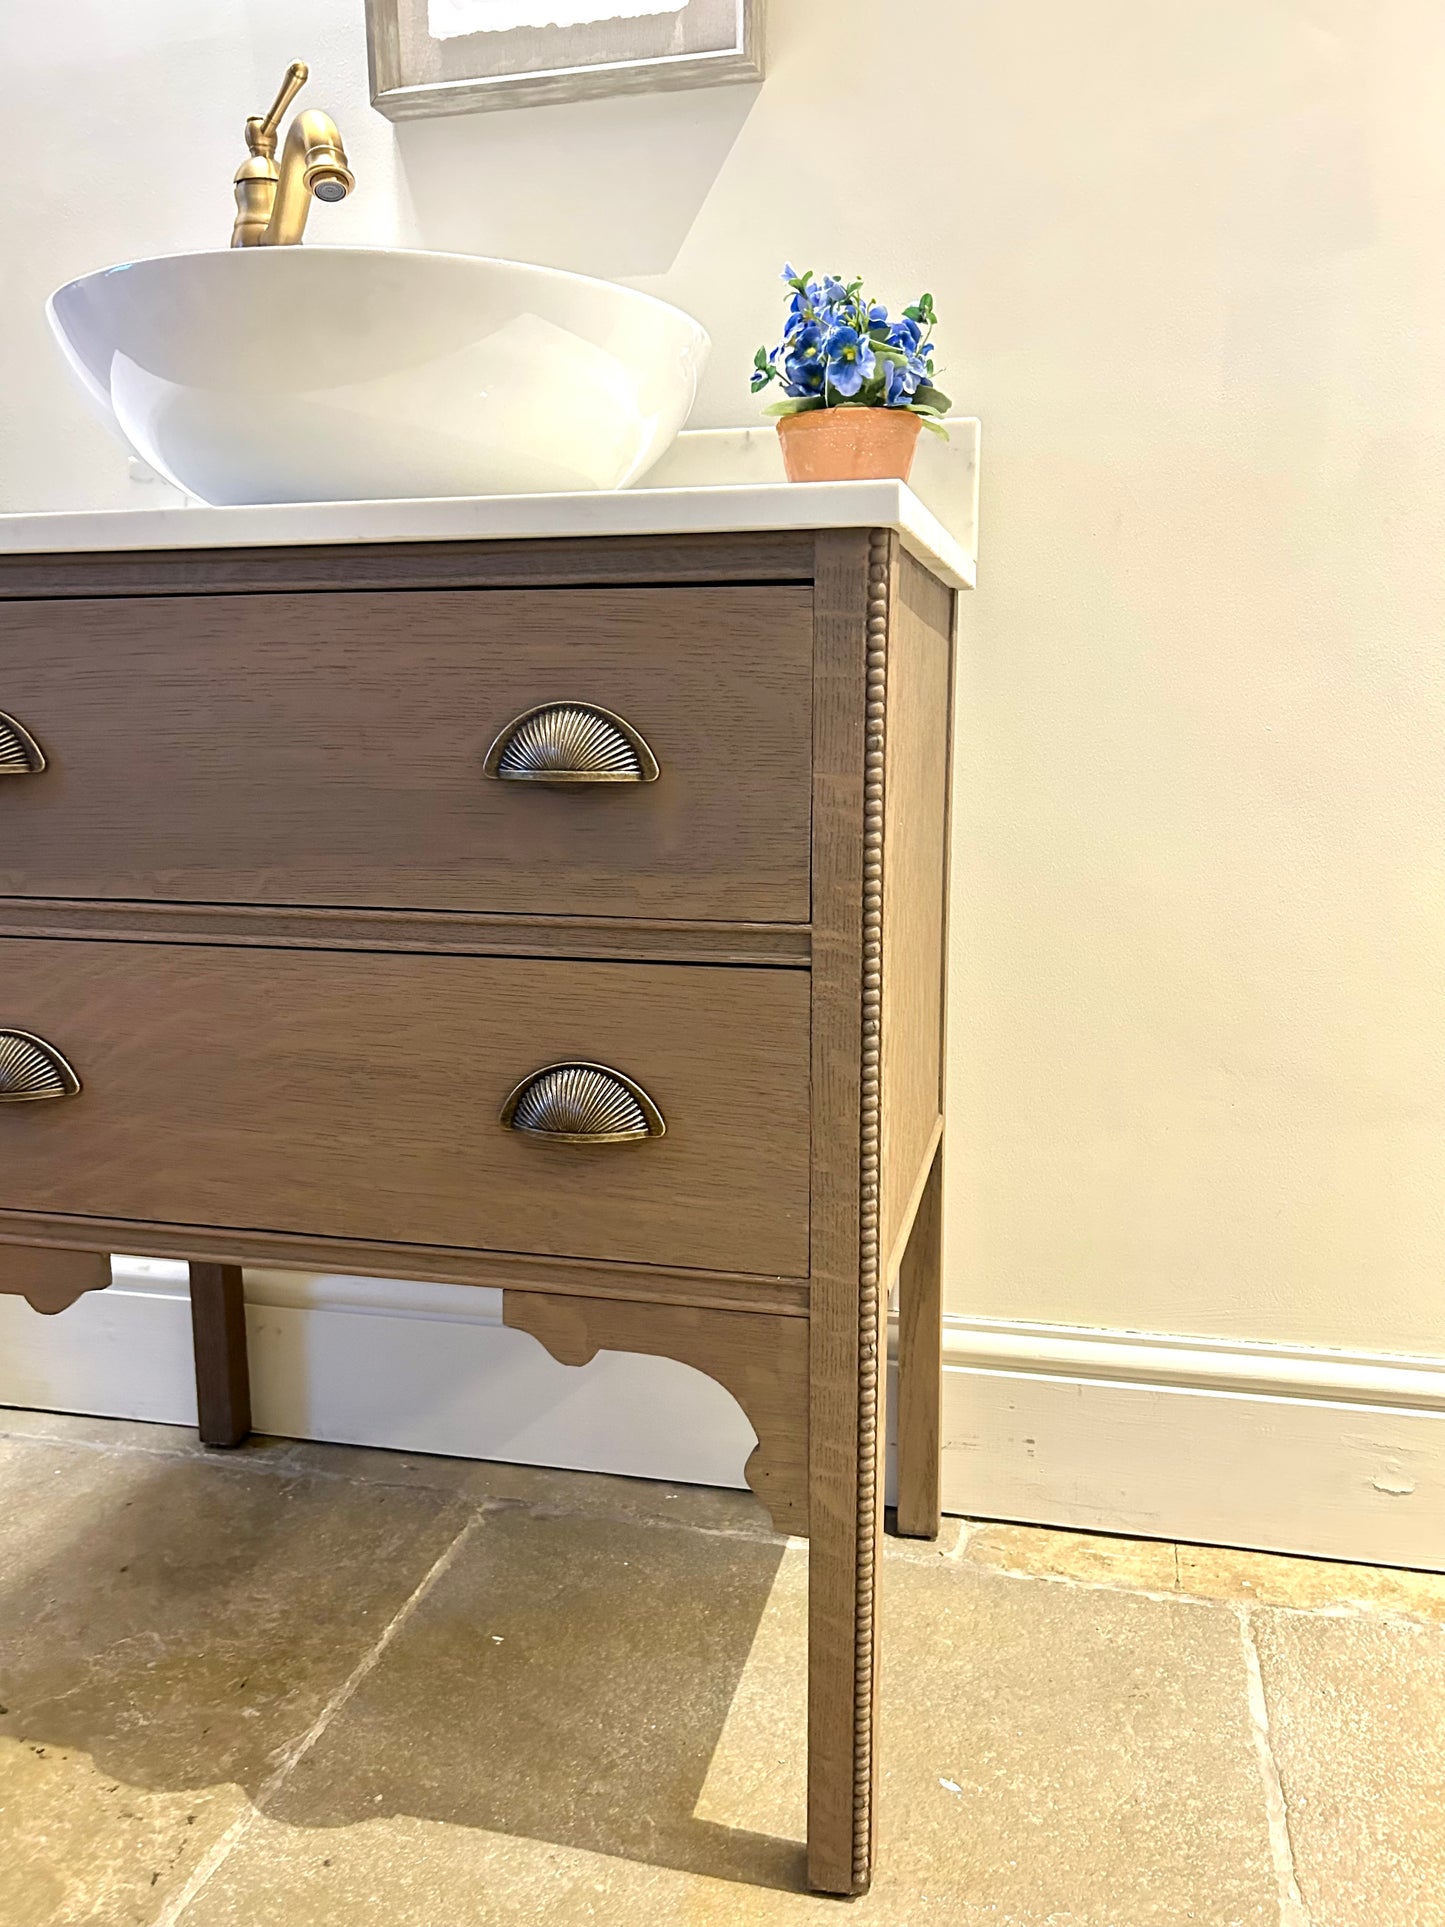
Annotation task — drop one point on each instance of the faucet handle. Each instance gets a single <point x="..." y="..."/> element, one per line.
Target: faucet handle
<point x="261" y="133"/>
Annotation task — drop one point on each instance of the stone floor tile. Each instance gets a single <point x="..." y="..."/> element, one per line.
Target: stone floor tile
<point x="1271" y="1579"/>
<point x="645" y="1501"/>
<point x="566" y="1680"/>
<point x="945" y="1546"/>
<point x="83" y="1847"/>
<point x="1357" y="1734"/>
<point x="1145" y="1564"/>
<point x="591" y="1721"/>
<point x="168" y="1627"/>
<point x="135" y="1435"/>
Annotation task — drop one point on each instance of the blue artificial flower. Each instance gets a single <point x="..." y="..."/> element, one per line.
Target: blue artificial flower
<point x="803" y="306"/>
<point x="828" y="355"/>
<point x="897" y="388"/>
<point x="803" y="378"/>
<point x="851" y="360"/>
<point x="803" y="366"/>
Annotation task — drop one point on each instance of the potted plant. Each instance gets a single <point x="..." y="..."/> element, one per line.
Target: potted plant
<point x="857" y="386"/>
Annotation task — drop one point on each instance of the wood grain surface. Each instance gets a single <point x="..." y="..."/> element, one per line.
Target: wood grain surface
<point x="218" y="1340"/>
<point x="438" y="1264"/>
<point x="840" y="1646"/>
<point x="327" y="749"/>
<point x="762" y="1361"/>
<point x="452" y="932"/>
<point x="299" y="951"/>
<point x="920" y="688"/>
<point x="920" y="1362"/>
<point x="780" y="556"/>
<point x="49" y="1277"/>
<point x="357" y="1095"/>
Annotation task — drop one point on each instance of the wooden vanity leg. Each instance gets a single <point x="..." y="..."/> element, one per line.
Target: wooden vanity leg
<point x="920" y="1364"/>
<point x="847" y="1317"/>
<point x="218" y="1333"/>
<point x="845" y="1539"/>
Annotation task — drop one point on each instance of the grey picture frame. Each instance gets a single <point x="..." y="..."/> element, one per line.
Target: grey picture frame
<point x="406" y="84"/>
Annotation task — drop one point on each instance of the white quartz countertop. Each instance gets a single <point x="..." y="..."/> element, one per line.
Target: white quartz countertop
<point x="674" y="500"/>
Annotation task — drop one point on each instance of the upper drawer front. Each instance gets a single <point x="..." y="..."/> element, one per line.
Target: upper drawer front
<point x="354" y="1095"/>
<point x="329" y="750"/>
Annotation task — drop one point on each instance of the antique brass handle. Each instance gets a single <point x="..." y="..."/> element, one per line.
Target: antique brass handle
<point x="32" y="1070"/>
<point x="566" y="743"/>
<point x="580" y="1103"/>
<point x="20" y="754"/>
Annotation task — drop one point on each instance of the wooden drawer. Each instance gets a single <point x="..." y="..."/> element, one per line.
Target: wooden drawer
<point x="327" y="749"/>
<point x="356" y="1095"/>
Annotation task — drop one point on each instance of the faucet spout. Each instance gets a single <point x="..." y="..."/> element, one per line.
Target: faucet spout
<point x="272" y="201"/>
<point x="313" y="162"/>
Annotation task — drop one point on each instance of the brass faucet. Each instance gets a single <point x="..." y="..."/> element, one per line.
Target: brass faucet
<point x="272" y="202"/>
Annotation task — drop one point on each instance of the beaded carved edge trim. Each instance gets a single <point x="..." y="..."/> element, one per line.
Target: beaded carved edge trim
<point x="870" y="1284"/>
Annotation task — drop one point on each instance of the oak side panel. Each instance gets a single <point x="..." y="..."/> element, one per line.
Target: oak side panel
<point x="920" y="691"/>
<point x="840" y="1647"/>
<point x="357" y="1096"/>
<point x="328" y="750"/>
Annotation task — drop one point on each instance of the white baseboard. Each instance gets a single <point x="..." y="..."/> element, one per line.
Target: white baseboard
<point x="375" y="1361"/>
<point x="1287" y="1448"/>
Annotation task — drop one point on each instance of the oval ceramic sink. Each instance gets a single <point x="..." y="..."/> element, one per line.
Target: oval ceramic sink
<point x="304" y="374"/>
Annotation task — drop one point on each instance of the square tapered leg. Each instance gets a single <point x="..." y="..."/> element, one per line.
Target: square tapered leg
<point x="218" y="1331"/>
<point x="920" y="1365"/>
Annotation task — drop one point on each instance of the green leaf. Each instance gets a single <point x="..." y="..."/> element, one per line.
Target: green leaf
<point x="933" y="427"/>
<point x="760" y="359"/>
<point x="930" y="397"/>
<point x="797" y="405"/>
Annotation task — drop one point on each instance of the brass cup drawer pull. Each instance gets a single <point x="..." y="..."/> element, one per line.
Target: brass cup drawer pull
<point x="32" y="1071"/>
<point x="566" y="743"/>
<point x="579" y="1103"/>
<point x="20" y="754"/>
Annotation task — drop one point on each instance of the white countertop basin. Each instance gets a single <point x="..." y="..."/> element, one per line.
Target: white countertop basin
<point x="313" y="374"/>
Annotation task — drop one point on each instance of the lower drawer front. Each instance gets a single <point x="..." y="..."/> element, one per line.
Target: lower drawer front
<point x="351" y="1095"/>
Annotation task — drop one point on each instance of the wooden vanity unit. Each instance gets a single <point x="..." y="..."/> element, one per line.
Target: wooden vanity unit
<point x="561" y="915"/>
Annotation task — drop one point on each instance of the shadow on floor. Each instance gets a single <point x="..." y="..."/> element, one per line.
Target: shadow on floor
<point x="566" y="1678"/>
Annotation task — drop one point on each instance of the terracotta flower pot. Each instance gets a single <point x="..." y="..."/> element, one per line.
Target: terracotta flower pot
<point x="849" y="444"/>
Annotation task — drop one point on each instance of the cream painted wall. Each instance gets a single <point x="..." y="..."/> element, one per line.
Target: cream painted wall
<point x="1191" y="261"/>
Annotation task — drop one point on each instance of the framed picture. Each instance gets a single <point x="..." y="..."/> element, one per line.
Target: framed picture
<point x="461" y="56"/>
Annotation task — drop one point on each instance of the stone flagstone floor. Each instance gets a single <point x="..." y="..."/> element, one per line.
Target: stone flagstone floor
<point x="316" y="1686"/>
